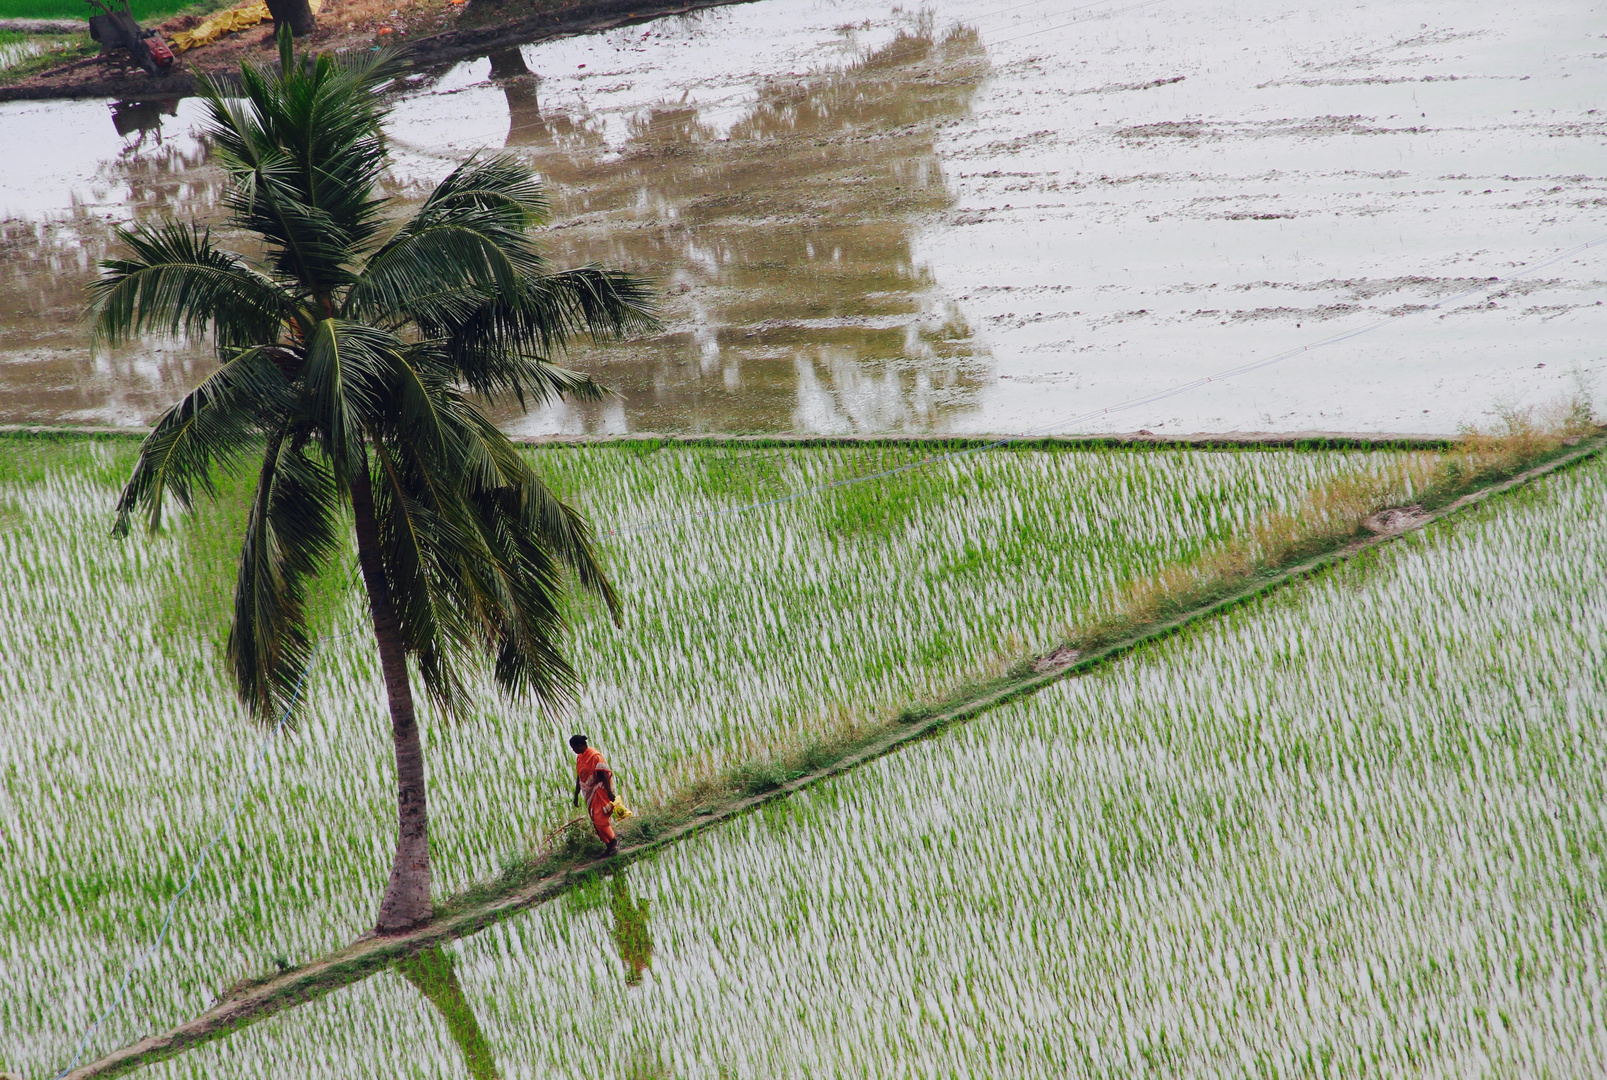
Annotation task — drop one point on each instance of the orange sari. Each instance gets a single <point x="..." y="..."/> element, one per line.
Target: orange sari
<point x="591" y="770"/>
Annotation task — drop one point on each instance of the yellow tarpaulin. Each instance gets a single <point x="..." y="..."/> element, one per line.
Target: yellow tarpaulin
<point x="215" y="26"/>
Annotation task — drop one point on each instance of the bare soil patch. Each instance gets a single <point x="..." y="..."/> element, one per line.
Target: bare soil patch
<point x="1395" y="519"/>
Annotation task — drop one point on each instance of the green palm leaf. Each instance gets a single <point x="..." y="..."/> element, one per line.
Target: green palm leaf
<point x="177" y="282"/>
<point x="214" y="426"/>
<point x="290" y="535"/>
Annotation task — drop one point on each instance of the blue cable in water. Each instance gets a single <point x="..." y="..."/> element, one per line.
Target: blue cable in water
<point x="206" y="852"/>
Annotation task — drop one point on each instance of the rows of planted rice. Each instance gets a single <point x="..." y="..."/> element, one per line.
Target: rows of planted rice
<point x="1355" y="829"/>
<point x="746" y="629"/>
<point x="741" y="631"/>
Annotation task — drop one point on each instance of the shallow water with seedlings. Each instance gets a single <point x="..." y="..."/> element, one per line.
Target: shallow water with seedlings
<point x="992" y="217"/>
<point x="15" y="47"/>
<point x="1353" y="829"/>
<point x="743" y="631"/>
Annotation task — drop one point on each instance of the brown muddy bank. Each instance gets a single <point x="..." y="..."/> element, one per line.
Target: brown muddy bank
<point x="448" y="36"/>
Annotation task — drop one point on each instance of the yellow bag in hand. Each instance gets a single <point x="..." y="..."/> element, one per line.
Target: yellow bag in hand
<point x="619" y="810"/>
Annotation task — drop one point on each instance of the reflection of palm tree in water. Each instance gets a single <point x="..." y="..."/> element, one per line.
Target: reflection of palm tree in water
<point x="631" y="935"/>
<point x="526" y="124"/>
<point x="789" y="241"/>
<point x="432" y="972"/>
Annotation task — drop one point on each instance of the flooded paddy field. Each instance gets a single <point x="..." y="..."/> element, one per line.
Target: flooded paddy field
<point x="959" y="217"/>
<point x="742" y="632"/>
<point x="1354" y="829"/>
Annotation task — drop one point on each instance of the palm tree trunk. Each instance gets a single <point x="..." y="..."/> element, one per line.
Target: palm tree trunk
<point x="407" y="897"/>
<point x="297" y="13"/>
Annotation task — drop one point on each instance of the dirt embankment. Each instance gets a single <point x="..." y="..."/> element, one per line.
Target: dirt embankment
<point x="426" y="32"/>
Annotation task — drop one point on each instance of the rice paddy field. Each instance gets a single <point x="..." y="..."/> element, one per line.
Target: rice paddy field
<point x="1352" y="829"/>
<point x="744" y="631"/>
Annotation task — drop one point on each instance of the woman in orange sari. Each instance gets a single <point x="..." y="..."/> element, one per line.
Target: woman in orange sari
<point x="595" y="780"/>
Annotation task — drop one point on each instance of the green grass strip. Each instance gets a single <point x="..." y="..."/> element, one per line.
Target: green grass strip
<point x="1253" y="440"/>
<point x="143" y="10"/>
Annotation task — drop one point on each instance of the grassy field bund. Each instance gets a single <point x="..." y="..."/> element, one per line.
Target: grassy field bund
<point x="755" y="637"/>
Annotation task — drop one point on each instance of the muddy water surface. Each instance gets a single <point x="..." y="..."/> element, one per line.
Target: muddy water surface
<point x="967" y="217"/>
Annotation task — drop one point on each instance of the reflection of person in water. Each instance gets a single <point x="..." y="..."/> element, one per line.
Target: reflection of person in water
<point x="631" y="935"/>
<point x="432" y="972"/>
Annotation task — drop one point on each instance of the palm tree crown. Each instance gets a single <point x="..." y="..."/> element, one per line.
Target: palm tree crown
<point x="351" y="356"/>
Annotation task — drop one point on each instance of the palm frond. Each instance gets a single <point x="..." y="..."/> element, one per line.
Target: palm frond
<point x="466" y="273"/>
<point x="306" y="242"/>
<point x="347" y="381"/>
<point x="178" y="282"/>
<point x="418" y="545"/>
<point x="501" y="188"/>
<point x="502" y="344"/>
<point x="541" y="514"/>
<point x="500" y="197"/>
<point x="450" y="261"/>
<point x="551" y="309"/>
<point x="524" y="637"/>
<point x="513" y="581"/>
<point x="468" y="240"/>
<point x="305" y="149"/>
<point x="478" y="546"/>
<point x="489" y="372"/>
<point x="210" y="428"/>
<point x="589" y="300"/>
<point x="290" y="535"/>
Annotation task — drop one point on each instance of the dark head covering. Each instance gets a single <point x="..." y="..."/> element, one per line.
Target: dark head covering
<point x="577" y="743"/>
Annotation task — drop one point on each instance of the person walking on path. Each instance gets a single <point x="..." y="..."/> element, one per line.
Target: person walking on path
<point x="595" y="780"/>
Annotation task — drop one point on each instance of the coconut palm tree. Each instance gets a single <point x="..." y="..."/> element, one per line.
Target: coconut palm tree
<point x="353" y="352"/>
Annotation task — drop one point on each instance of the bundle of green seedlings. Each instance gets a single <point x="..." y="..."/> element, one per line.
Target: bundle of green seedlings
<point x="746" y="634"/>
<point x="1353" y="828"/>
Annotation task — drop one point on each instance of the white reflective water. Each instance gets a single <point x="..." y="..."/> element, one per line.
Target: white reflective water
<point x="1033" y="212"/>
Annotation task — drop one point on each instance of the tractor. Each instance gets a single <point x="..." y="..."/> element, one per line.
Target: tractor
<point x="117" y="30"/>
